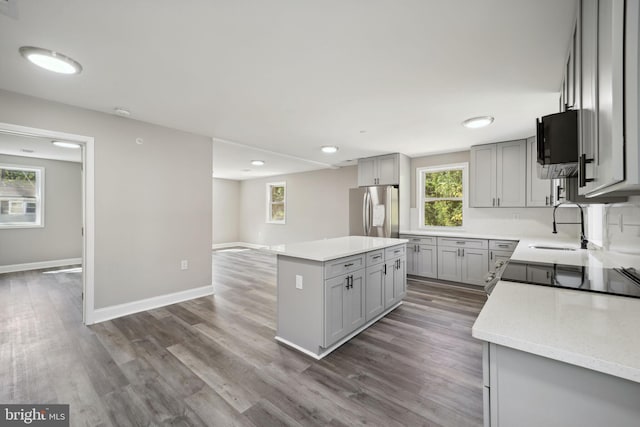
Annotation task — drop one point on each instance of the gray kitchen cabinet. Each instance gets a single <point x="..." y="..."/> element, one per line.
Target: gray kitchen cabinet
<point x="395" y="281"/>
<point x="374" y="292"/>
<point x="482" y="173"/>
<point x="602" y="144"/>
<point x="422" y="256"/>
<point x="526" y="390"/>
<point x="498" y="174"/>
<point x="500" y="251"/>
<point x="538" y="190"/>
<point x="379" y="170"/>
<point x="463" y="260"/>
<point x="344" y="305"/>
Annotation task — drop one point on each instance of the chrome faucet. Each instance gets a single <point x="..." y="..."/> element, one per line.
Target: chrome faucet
<point x="583" y="238"/>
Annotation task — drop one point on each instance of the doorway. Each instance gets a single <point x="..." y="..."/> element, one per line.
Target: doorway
<point x="88" y="214"/>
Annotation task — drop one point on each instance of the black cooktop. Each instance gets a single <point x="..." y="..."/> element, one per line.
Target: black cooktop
<point x="615" y="281"/>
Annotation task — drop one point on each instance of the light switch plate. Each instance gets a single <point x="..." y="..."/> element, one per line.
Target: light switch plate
<point x="298" y="281"/>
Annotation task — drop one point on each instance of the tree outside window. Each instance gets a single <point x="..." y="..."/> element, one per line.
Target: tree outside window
<point x="441" y="195"/>
<point x="276" y="202"/>
<point x="21" y="196"/>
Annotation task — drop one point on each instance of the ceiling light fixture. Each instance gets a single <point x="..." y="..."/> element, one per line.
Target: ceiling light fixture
<point x="257" y="162"/>
<point x="478" y="122"/>
<point x="64" y="144"/>
<point x="50" y="60"/>
<point x="329" y="149"/>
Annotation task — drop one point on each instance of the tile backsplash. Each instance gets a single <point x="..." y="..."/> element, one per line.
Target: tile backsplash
<point x="622" y="226"/>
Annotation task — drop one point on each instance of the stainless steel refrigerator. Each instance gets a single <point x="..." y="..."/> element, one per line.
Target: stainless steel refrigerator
<point x="373" y="211"/>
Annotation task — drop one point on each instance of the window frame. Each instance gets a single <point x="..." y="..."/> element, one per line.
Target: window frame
<point x="421" y="199"/>
<point x="40" y="181"/>
<point x="269" y="219"/>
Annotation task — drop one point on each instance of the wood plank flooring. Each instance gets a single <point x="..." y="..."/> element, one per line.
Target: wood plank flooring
<point x="213" y="361"/>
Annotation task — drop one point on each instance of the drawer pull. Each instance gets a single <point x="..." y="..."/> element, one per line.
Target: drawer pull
<point x="348" y="265"/>
<point x="461" y="243"/>
<point x="396" y="251"/>
<point x="503" y="246"/>
<point x="377" y="257"/>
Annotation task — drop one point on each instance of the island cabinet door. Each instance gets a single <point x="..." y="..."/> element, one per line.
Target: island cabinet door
<point x="388" y="283"/>
<point x="374" y="291"/>
<point x="335" y="321"/>
<point x="356" y="314"/>
<point x="344" y="305"/>
<point x="400" y="280"/>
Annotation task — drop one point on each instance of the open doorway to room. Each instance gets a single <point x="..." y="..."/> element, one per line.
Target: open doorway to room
<point x="46" y="219"/>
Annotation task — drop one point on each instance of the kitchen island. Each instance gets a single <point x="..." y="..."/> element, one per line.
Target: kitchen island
<point x="330" y="290"/>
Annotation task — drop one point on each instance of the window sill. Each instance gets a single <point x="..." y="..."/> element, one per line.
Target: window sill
<point x="12" y="226"/>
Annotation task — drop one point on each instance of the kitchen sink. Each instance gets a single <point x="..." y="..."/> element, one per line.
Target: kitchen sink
<point x="554" y="248"/>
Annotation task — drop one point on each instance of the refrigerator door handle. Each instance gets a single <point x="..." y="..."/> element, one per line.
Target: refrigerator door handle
<point x="365" y="213"/>
<point x="387" y="222"/>
<point x="370" y="213"/>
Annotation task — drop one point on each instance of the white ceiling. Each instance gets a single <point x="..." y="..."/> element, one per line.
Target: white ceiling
<point x="289" y="76"/>
<point x="40" y="148"/>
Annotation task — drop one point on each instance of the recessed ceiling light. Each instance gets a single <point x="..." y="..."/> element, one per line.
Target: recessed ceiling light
<point x="50" y="60"/>
<point x="64" y="144"/>
<point x="329" y="149"/>
<point x="478" y="122"/>
<point x="257" y="162"/>
<point x="122" y="112"/>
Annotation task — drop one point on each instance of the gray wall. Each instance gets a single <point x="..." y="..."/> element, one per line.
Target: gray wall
<point x="226" y="210"/>
<point x="152" y="201"/>
<point x="621" y="225"/>
<point x="60" y="238"/>
<point x="317" y="207"/>
<point x="533" y="222"/>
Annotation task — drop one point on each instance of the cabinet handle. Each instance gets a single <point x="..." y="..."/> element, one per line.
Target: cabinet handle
<point x="347" y="282"/>
<point x="493" y="201"/>
<point x="377" y="257"/>
<point x="491" y="255"/>
<point x="458" y="251"/>
<point x="582" y="166"/>
<point x="385" y="270"/>
<point x="461" y="243"/>
<point x="498" y="201"/>
<point x="546" y="200"/>
<point x="418" y="248"/>
<point x="503" y="246"/>
<point x="348" y="265"/>
<point x="462" y="251"/>
<point x="558" y="189"/>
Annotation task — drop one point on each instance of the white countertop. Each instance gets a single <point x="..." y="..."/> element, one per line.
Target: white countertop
<point x="598" y="332"/>
<point x="328" y="249"/>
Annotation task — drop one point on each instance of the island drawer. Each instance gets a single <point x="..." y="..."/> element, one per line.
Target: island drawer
<point x="394" y="252"/>
<point x="344" y="265"/>
<point x="503" y="245"/>
<point x="463" y="243"/>
<point x="421" y="240"/>
<point x="375" y="257"/>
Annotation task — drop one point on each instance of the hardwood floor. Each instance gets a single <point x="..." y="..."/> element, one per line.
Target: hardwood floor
<point x="213" y="361"/>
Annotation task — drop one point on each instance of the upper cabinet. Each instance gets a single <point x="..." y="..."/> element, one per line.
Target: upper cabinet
<point x="380" y="170"/>
<point x="604" y="52"/>
<point x="498" y="175"/>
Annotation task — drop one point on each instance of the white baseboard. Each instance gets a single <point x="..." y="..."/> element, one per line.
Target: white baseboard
<point x="39" y="265"/>
<point x="115" y="311"/>
<point x="236" y="245"/>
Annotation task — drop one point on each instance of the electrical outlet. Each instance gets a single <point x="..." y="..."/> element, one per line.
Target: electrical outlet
<point x="184" y="264"/>
<point x="298" y="281"/>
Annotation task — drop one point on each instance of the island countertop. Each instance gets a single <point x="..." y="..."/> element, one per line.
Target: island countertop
<point x="328" y="249"/>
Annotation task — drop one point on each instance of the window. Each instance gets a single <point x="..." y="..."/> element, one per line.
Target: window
<point x="276" y="202"/>
<point x="21" y="190"/>
<point x="441" y="195"/>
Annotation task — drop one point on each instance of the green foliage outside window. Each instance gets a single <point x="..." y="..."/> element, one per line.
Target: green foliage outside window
<point x="443" y="198"/>
<point x="277" y="202"/>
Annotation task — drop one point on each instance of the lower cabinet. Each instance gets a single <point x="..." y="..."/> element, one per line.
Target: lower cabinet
<point x="422" y="260"/>
<point x="345" y="305"/>
<point x="526" y="390"/>
<point x="395" y="281"/>
<point x="463" y="264"/>
<point x="374" y="292"/>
